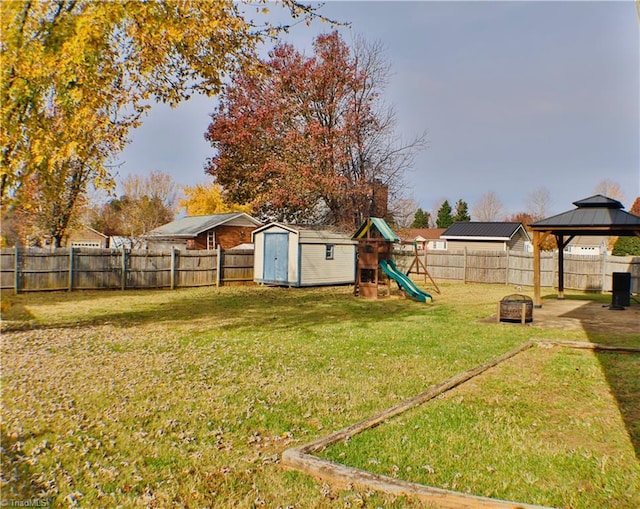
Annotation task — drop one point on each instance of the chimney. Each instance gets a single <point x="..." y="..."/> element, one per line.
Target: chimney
<point x="379" y="199"/>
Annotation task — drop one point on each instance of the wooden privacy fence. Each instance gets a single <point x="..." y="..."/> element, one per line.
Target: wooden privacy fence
<point x="581" y="272"/>
<point x="26" y="270"/>
<point x="32" y="269"/>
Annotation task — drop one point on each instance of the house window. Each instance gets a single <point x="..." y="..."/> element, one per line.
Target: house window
<point x="211" y="239"/>
<point x="87" y="243"/>
<point x="329" y="252"/>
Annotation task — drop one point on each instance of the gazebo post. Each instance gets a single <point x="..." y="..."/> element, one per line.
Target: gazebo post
<point x="537" y="301"/>
<point x="560" y="243"/>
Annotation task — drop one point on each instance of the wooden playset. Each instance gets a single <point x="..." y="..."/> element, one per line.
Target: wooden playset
<point x="375" y="267"/>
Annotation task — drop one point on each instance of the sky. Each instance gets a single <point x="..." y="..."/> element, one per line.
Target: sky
<point x="514" y="97"/>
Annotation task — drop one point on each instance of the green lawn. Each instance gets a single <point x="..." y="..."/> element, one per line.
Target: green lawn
<point x="187" y="398"/>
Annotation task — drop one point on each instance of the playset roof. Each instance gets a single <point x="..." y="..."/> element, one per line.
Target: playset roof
<point x="373" y="225"/>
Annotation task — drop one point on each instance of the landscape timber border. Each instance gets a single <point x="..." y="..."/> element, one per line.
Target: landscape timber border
<point x="302" y="458"/>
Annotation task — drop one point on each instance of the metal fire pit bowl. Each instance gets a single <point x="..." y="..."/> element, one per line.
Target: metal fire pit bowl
<point x="516" y="308"/>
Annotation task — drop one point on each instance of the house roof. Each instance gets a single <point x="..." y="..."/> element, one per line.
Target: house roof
<point x="478" y="230"/>
<point x="380" y="225"/>
<point x="596" y="215"/>
<point x="589" y="241"/>
<point x="191" y="226"/>
<point x="81" y="230"/>
<point x="421" y="234"/>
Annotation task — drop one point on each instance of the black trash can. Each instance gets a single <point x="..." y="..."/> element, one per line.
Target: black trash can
<point x="621" y="287"/>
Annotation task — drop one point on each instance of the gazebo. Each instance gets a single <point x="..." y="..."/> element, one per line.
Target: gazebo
<point x="596" y="215"/>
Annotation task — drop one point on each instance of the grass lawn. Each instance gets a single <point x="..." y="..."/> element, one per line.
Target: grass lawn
<point x="187" y="398"/>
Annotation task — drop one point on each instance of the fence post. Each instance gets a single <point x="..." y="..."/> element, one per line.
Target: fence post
<point x="173" y="267"/>
<point x="426" y="244"/>
<point x="506" y="275"/>
<point x="219" y="265"/>
<point x="70" y="268"/>
<point x="123" y="276"/>
<point x="16" y="270"/>
<point x="604" y="270"/>
<point x="464" y="266"/>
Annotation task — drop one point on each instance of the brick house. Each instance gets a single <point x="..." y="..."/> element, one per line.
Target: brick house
<point x="204" y="232"/>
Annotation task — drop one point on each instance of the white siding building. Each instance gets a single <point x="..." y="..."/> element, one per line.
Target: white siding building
<point x="290" y="255"/>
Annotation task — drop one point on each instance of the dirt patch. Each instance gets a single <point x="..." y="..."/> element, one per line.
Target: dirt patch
<point x="591" y="317"/>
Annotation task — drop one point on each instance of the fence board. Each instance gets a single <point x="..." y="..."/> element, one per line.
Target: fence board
<point x="237" y="266"/>
<point x="97" y="269"/>
<point x="196" y="268"/>
<point x="41" y="269"/>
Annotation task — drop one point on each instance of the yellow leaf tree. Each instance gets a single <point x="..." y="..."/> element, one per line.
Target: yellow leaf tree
<point x="76" y="76"/>
<point x="204" y="199"/>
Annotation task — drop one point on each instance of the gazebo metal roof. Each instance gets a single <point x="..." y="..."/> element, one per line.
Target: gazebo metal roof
<point x="596" y="215"/>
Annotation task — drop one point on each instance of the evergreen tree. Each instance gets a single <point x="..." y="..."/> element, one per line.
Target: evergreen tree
<point x="462" y="211"/>
<point x="627" y="246"/>
<point x="445" y="219"/>
<point x="421" y="219"/>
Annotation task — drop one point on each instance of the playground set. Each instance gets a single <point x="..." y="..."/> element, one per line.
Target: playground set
<point x="375" y="268"/>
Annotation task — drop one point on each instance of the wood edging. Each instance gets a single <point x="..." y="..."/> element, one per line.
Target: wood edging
<point x="342" y="475"/>
<point x="583" y="345"/>
<point x="302" y="458"/>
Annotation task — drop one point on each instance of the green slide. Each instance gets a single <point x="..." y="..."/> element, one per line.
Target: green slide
<point x="404" y="281"/>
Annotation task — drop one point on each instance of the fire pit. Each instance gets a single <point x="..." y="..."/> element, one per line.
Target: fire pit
<point x="516" y="308"/>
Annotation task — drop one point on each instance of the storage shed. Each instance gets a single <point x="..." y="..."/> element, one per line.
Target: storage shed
<point x="297" y="256"/>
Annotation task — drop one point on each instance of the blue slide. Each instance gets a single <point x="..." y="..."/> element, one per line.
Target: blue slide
<point x="404" y="281"/>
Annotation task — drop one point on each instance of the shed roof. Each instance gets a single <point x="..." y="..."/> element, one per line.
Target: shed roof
<point x="192" y="226"/>
<point x="310" y="233"/>
<point x="596" y="215"/>
<point x="380" y="225"/>
<point x="482" y="230"/>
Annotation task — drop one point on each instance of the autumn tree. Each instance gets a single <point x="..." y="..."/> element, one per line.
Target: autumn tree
<point x="521" y="217"/>
<point x="38" y="221"/>
<point x="203" y="199"/>
<point x="77" y="76"/>
<point x="146" y="203"/>
<point x="445" y="217"/>
<point x="107" y="218"/>
<point x="488" y="208"/>
<point x="421" y="219"/>
<point x="310" y="139"/>
<point x="150" y="201"/>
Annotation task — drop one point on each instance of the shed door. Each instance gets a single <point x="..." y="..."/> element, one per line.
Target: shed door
<point x="276" y="259"/>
